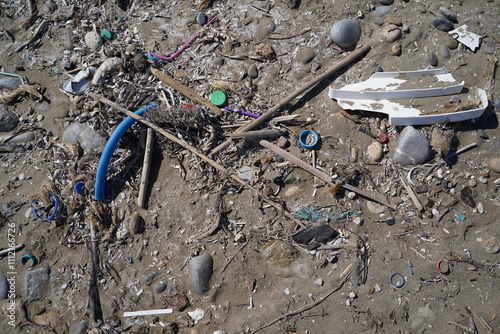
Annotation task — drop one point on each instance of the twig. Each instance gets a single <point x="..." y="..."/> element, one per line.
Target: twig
<point x="268" y="114"/>
<point x="34" y="37"/>
<point x="481" y="320"/>
<point x="266" y="133"/>
<point x="307" y="307"/>
<point x="412" y="194"/>
<point x="232" y="257"/>
<point x="184" y="90"/>
<point x="145" y="169"/>
<point x="193" y="150"/>
<point x="95" y="301"/>
<point x="6" y="252"/>
<point x="316" y="172"/>
<point x="291" y="36"/>
<point x="465" y="328"/>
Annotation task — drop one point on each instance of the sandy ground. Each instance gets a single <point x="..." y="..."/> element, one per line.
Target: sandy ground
<point x="184" y="215"/>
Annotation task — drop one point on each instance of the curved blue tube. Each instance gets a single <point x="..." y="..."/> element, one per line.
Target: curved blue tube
<point x="107" y="152"/>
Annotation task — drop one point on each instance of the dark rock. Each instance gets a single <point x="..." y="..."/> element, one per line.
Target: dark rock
<point x="383" y="10"/>
<point x="9" y="82"/>
<point x="441" y="23"/>
<point x="444" y="52"/>
<point x="433" y="60"/>
<point x="319" y="233"/>
<point x="292" y="4"/>
<point x="4" y="286"/>
<point x="412" y="147"/>
<point x="36" y="282"/>
<point x="305" y="55"/>
<point x="448" y="14"/>
<point x="421" y="189"/>
<point x="386" y="2"/>
<point x="8" y="121"/>
<point x="140" y="63"/>
<point x="178" y="301"/>
<point x="201" y="18"/>
<point x="489" y="50"/>
<point x="483" y="134"/>
<point x="112" y="321"/>
<point x="253" y="72"/>
<point x="466" y="197"/>
<point x="379" y="69"/>
<point x="201" y="268"/>
<point x="263" y="29"/>
<point x="345" y="33"/>
<point x="160" y="286"/>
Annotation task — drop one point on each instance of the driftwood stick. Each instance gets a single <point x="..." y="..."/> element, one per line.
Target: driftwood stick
<point x="34" y="37"/>
<point x="313" y="82"/>
<point x="14" y="249"/>
<point x="259" y="134"/>
<point x="316" y="172"/>
<point x="412" y="194"/>
<point x="145" y="168"/>
<point x="193" y="150"/>
<point x="184" y="90"/>
<point x="95" y="307"/>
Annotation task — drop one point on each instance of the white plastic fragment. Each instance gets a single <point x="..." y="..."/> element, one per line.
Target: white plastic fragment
<point x="469" y="39"/>
<point x="148" y="312"/>
<point x="197" y="315"/>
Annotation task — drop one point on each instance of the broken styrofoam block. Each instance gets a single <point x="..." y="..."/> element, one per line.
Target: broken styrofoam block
<point x="469" y="39"/>
<point x="396" y="85"/>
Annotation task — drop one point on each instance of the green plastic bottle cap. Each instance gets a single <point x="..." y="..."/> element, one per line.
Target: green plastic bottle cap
<point x="218" y="98"/>
<point x="106" y="34"/>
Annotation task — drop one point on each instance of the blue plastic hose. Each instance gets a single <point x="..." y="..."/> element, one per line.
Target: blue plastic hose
<point x="107" y="152"/>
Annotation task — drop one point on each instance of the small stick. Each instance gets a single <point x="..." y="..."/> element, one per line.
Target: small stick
<point x="232" y="257"/>
<point x="316" y="172"/>
<point x="6" y="251"/>
<point x="95" y="301"/>
<point x="33" y="38"/>
<point x="307" y="307"/>
<point x="145" y="169"/>
<point x="412" y="194"/>
<point x="268" y="114"/>
<point x="465" y="328"/>
<point x="481" y="320"/>
<point x="291" y="36"/>
<point x="259" y="134"/>
<point x="184" y="90"/>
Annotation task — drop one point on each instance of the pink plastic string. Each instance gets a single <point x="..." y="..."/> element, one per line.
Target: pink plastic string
<point x="178" y="52"/>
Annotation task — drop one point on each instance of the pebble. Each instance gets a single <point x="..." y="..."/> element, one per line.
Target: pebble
<point x="451" y="43"/>
<point x="353" y="295"/>
<point x="448" y="14"/>
<point x="386" y="2"/>
<point x="178" y="301"/>
<point x="8" y="120"/>
<point x="441" y="23"/>
<point x="491" y="245"/>
<point x="489" y="50"/>
<point x="36" y="281"/>
<point x="218" y="62"/>
<point x="319" y="281"/>
<point x="480" y="207"/>
<point x="253" y="72"/>
<point x="160" y="286"/>
<point x="24" y="137"/>
<point x="345" y="33"/>
<point x="375" y="151"/>
<point x="305" y="55"/>
<point x="383" y="10"/>
<point x="454" y="99"/>
<point x="264" y="28"/>
<point x="9" y="82"/>
<point x="351" y="195"/>
<point x="394" y="20"/>
<point x="483" y="180"/>
<point x="40" y="118"/>
<point x="412" y="147"/>
<point x="397" y="49"/>
<point x="80" y="328"/>
<point x="472" y="183"/>
<point x="201" y="268"/>
<point x="392" y="33"/>
<point x="496" y="103"/>
<point x="433" y="60"/>
<point x="4" y="286"/>
<point x="201" y="18"/>
<point x="379" y="68"/>
<point x="293" y="192"/>
<point x="112" y="321"/>
<point x="93" y="40"/>
<point x="375" y="207"/>
<point x="358" y="221"/>
<point x="443" y="51"/>
<point x="494" y="165"/>
<point x="482" y="134"/>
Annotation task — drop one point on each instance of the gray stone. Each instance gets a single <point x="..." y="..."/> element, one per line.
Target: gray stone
<point x="472" y="183"/>
<point x="80" y="328"/>
<point x="4" y="286"/>
<point x="201" y="18"/>
<point x="201" y="268"/>
<point x="305" y="55"/>
<point x="379" y="69"/>
<point x="9" y="82"/>
<point x="451" y="43"/>
<point x="412" y="148"/>
<point x="8" y="121"/>
<point x="455" y="99"/>
<point x="489" y="50"/>
<point x="433" y="59"/>
<point x="448" y="14"/>
<point x="443" y="51"/>
<point x="383" y="10"/>
<point x="482" y="134"/>
<point x="24" y="137"/>
<point x="253" y="72"/>
<point x="264" y="28"/>
<point x="441" y="23"/>
<point x="36" y="282"/>
<point x="86" y="136"/>
<point x="160" y="286"/>
<point x="496" y="103"/>
<point x="386" y="2"/>
<point x="494" y="165"/>
<point x="345" y="33"/>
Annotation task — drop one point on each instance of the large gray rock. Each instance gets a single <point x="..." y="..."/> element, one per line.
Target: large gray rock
<point x="36" y="282"/>
<point x="4" y="286"/>
<point x="201" y="268"/>
<point x="8" y="121"/>
<point x="441" y="23"/>
<point x="86" y="136"/>
<point x="264" y="28"/>
<point x="345" y="33"/>
<point x="413" y="147"/>
<point x="9" y="82"/>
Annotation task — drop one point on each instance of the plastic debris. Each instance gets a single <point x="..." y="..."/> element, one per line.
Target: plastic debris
<point x="469" y="39"/>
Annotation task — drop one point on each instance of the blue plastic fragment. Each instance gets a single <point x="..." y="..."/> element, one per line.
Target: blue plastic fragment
<point x="150" y="57"/>
<point x="461" y="217"/>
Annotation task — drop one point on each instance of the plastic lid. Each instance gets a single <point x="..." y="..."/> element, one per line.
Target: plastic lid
<point x="218" y="98"/>
<point x="106" y="34"/>
<point x="308" y="139"/>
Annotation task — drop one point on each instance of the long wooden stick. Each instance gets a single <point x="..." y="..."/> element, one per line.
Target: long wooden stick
<point x="412" y="194"/>
<point x="316" y="172"/>
<point x="145" y="169"/>
<point x="184" y="90"/>
<point x="268" y="114"/>
<point x="193" y="150"/>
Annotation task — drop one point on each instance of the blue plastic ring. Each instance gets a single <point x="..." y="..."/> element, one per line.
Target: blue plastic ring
<point x="25" y="258"/>
<point x="78" y="188"/>
<point x="303" y="139"/>
<point x="400" y="285"/>
<point x="54" y="212"/>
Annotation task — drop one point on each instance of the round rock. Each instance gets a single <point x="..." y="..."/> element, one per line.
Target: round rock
<point x="451" y="43"/>
<point x="345" y="33"/>
<point x="448" y="14"/>
<point x="433" y="60"/>
<point x="253" y="72"/>
<point x="8" y="121"/>
<point x="443" y="51"/>
<point x="383" y="10"/>
<point x="263" y="29"/>
<point x="394" y="20"/>
<point x="375" y="151"/>
<point x="441" y="23"/>
<point x="201" y="18"/>
<point x="305" y="55"/>
<point x="392" y="34"/>
<point x="397" y="49"/>
<point x="93" y="40"/>
<point x="201" y="268"/>
<point x="386" y="2"/>
<point x="494" y="165"/>
<point x="160" y="286"/>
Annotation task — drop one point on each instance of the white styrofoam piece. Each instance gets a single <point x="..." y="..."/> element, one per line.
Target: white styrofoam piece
<point x="385" y="85"/>
<point x="403" y="115"/>
<point x="469" y="39"/>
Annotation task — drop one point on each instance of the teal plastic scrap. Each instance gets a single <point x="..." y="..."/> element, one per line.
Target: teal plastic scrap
<point x="308" y="213"/>
<point x="461" y="217"/>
